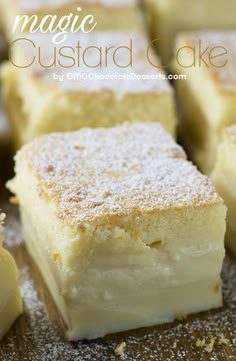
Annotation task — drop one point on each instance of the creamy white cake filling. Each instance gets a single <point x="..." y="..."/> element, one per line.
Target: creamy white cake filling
<point x="104" y="279"/>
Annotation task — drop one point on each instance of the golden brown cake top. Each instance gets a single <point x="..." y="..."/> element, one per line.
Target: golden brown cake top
<point x="119" y="69"/>
<point x="221" y="69"/>
<point x="230" y="133"/>
<point x="96" y="174"/>
<point x="34" y="5"/>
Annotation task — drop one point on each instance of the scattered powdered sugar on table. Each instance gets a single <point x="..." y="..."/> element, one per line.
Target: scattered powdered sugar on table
<point x="44" y="337"/>
<point x="38" y="334"/>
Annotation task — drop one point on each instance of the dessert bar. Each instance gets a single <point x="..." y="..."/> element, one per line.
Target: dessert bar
<point x="107" y="82"/>
<point x="207" y="97"/>
<point x="126" y="232"/>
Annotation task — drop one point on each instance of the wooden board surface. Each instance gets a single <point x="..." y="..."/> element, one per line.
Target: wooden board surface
<point x="39" y="333"/>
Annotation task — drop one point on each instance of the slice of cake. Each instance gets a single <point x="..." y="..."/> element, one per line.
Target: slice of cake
<point x="168" y="17"/>
<point x="224" y="177"/>
<point x="126" y="232"/>
<point x="10" y="300"/>
<point x="108" y="14"/>
<point x="110" y="82"/>
<point x="208" y="97"/>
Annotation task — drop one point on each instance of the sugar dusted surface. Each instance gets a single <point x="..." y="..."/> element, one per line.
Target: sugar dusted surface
<point x="92" y="174"/>
<point x="34" y="5"/>
<point x="224" y="76"/>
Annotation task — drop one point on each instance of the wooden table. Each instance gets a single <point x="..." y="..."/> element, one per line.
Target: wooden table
<point x="38" y="333"/>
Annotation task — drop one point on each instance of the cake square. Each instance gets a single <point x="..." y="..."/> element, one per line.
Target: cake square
<point x="108" y="14"/>
<point x="224" y="177"/>
<point x="207" y="97"/>
<point x="126" y="232"/>
<point x="102" y="90"/>
<point x="167" y="18"/>
<point x="10" y="299"/>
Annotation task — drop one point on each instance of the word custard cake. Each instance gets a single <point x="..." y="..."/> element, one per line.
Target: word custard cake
<point x="37" y="103"/>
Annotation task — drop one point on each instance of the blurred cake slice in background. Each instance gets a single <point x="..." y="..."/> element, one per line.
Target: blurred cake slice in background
<point x="95" y="88"/>
<point x="126" y="232"/>
<point x="10" y="299"/>
<point x="108" y="14"/>
<point x="207" y="99"/>
<point x="168" y="17"/>
<point x="224" y="177"/>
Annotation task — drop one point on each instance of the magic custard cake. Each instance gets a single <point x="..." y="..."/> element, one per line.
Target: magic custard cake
<point x="208" y="97"/>
<point x="124" y="87"/>
<point x="126" y="232"/>
<point x="109" y="14"/>
<point x="224" y="177"/>
<point x="168" y="17"/>
<point x="10" y="299"/>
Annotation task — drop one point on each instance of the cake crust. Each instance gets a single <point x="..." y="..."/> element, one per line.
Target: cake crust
<point x="95" y="174"/>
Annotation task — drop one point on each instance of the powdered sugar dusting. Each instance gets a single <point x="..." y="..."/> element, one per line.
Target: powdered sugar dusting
<point x="95" y="173"/>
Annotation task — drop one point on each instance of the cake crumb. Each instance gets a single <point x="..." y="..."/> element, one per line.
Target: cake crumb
<point x="50" y="168"/>
<point x="223" y="340"/>
<point x="200" y="343"/>
<point x="179" y="326"/>
<point x="56" y="256"/>
<point x="79" y="147"/>
<point x="120" y="350"/>
<point x="217" y="287"/>
<point x="209" y="347"/>
<point x="14" y="200"/>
